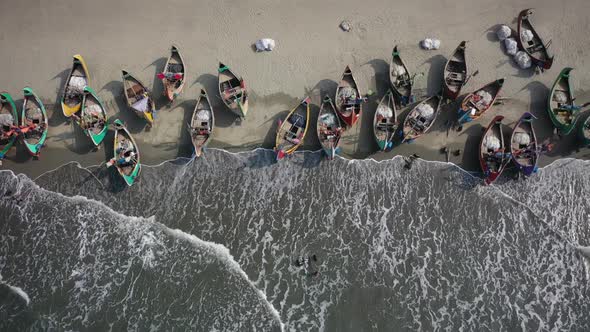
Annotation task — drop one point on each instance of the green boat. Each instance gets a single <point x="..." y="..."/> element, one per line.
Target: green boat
<point x="93" y="118"/>
<point x="585" y="132"/>
<point x="125" y="154"/>
<point x="8" y="118"/>
<point x="34" y="123"/>
<point x="561" y="107"/>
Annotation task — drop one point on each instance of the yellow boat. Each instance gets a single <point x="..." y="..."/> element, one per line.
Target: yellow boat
<point x="291" y="132"/>
<point x="73" y="91"/>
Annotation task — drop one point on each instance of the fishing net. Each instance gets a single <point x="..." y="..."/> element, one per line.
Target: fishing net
<point x="347" y="93"/>
<point x="94" y="110"/>
<point x="526" y="35"/>
<point x="384" y="111"/>
<point x="523" y="139"/>
<point x="483" y="98"/>
<point x="6" y="119"/>
<point x="511" y="46"/>
<point x="503" y="32"/>
<point x="560" y="97"/>
<point x="398" y="70"/>
<point x="203" y="115"/>
<point x="492" y="143"/>
<point x="34" y="113"/>
<point x="76" y="86"/>
<point x="426" y="111"/>
<point x="328" y="119"/>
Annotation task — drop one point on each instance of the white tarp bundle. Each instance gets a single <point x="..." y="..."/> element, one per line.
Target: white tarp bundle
<point x="77" y="85"/>
<point x="347" y="93"/>
<point x="141" y="105"/>
<point x="6" y="119"/>
<point x="511" y="46"/>
<point x="265" y="44"/>
<point x="485" y="98"/>
<point x="398" y="70"/>
<point x="430" y="44"/>
<point x="526" y="35"/>
<point x="426" y="111"/>
<point x="522" y="138"/>
<point x="385" y="111"/>
<point x="560" y="97"/>
<point x="203" y="115"/>
<point x="328" y="119"/>
<point x="523" y="60"/>
<point x="94" y="109"/>
<point x="503" y="32"/>
<point x="492" y="143"/>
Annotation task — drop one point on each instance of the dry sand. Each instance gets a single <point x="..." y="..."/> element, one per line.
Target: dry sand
<point x="39" y="39"/>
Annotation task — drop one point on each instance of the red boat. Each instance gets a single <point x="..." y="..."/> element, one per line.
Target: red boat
<point x="492" y="151"/>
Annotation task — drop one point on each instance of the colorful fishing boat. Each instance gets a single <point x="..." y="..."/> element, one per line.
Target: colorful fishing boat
<point x="523" y="145"/>
<point x="232" y="90"/>
<point x="531" y="43"/>
<point x="126" y="157"/>
<point x="173" y="76"/>
<point x="493" y="156"/>
<point x="348" y="98"/>
<point x="8" y="124"/>
<point x="93" y="118"/>
<point x="385" y="122"/>
<point x="291" y="132"/>
<point x="74" y="88"/>
<point x="329" y="128"/>
<point x="399" y="78"/>
<point x="138" y="97"/>
<point x="455" y="73"/>
<point x="421" y="118"/>
<point x="202" y="123"/>
<point x="561" y="107"/>
<point x="475" y="104"/>
<point x="585" y="132"/>
<point x="34" y="123"/>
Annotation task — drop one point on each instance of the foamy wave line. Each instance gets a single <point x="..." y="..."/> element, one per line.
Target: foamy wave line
<point x="18" y="291"/>
<point x="221" y="252"/>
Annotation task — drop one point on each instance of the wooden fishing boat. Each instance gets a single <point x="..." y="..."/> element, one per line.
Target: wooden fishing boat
<point x="329" y="128"/>
<point x="34" y="122"/>
<point x="585" y="132"/>
<point x="202" y="123"/>
<point x="73" y="92"/>
<point x="421" y="118"/>
<point x="492" y="151"/>
<point x="455" y="73"/>
<point x="291" y="132"/>
<point x="561" y="107"/>
<point x="173" y="76"/>
<point x="138" y="97"/>
<point x="385" y="122"/>
<point x="93" y="118"/>
<point x="400" y="78"/>
<point x="126" y="156"/>
<point x="475" y="104"/>
<point x="348" y="98"/>
<point x="8" y="123"/>
<point x="232" y="90"/>
<point x="535" y="48"/>
<point x="523" y="145"/>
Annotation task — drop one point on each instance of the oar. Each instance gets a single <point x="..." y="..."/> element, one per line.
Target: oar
<point x="470" y="76"/>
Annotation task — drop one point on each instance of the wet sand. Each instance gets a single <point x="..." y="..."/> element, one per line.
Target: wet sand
<point x="309" y="58"/>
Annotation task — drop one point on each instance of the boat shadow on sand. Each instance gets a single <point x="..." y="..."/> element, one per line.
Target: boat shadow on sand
<point x="57" y="117"/>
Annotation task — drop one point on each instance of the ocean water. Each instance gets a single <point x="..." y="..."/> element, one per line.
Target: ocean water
<point x="210" y="245"/>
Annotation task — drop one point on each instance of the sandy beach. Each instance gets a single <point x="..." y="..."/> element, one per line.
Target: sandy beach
<point x="40" y="38"/>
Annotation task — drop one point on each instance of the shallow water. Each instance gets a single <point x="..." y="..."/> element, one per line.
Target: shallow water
<point x="209" y="244"/>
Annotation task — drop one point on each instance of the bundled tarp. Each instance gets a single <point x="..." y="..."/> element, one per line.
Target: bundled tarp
<point x="265" y="44"/>
<point x="560" y="97"/>
<point x="523" y="60"/>
<point x="430" y="44"/>
<point x="492" y="143"/>
<point x="347" y="93"/>
<point x="6" y="119"/>
<point x="385" y="111"/>
<point x="328" y="119"/>
<point x="483" y="99"/>
<point x="511" y="46"/>
<point x="76" y="86"/>
<point x="141" y="105"/>
<point x="398" y="70"/>
<point x="503" y="32"/>
<point x="94" y="109"/>
<point x="523" y="139"/>
<point x="526" y="35"/>
<point x="203" y="115"/>
<point x="426" y="111"/>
